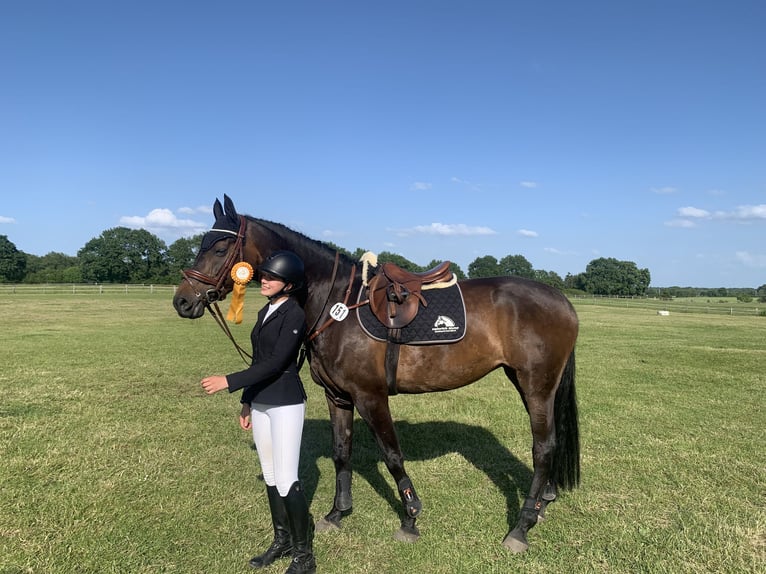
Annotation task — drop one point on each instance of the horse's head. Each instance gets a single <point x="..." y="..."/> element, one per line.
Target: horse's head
<point x="209" y="280"/>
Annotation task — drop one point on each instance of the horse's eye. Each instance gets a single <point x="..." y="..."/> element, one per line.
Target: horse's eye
<point x="221" y="251"/>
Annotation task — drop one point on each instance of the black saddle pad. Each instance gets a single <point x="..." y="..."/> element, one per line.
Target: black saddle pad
<point x="443" y="321"/>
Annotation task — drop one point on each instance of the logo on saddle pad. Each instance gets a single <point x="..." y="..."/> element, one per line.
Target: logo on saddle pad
<point x="444" y="324"/>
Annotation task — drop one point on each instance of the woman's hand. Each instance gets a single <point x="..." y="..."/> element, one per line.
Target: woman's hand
<point x="244" y="417"/>
<point x="214" y="384"/>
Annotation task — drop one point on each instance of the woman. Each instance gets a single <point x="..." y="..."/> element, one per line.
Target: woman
<point x="273" y="406"/>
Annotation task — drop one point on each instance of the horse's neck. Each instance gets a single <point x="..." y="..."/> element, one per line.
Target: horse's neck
<point x="325" y="290"/>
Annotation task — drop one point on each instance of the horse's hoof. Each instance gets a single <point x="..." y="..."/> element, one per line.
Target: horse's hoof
<point x="515" y="545"/>
<point x="403" y="535"/>
<point x="324" y="525"/>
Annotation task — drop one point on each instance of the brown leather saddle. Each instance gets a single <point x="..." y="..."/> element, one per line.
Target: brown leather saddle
<point x="395" y="293"/>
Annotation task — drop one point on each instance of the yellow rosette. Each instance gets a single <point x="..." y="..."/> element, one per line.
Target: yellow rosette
<point x="241" y="273"/>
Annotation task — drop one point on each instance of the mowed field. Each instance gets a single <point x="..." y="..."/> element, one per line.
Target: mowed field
<point x="112" y="459"/>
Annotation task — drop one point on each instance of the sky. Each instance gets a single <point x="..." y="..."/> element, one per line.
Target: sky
<point x="440" y="130"/>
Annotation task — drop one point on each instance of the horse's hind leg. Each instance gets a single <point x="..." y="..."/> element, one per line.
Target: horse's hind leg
<point x="376" y="413"/>
<point x="542" y="491"/>
<point x="342" y="420"/>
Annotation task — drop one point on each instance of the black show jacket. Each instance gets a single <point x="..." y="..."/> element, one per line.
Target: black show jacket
<point x="272" y="378"/>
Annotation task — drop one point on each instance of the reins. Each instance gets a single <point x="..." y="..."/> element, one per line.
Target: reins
<point x="329" y="293"/>
<point x="344" y="309"/>
<point x="212" y="296"/>
<point x="217" y="314"/>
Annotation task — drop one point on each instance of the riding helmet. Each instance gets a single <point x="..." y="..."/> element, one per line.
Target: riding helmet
<point x="285" y="265"/>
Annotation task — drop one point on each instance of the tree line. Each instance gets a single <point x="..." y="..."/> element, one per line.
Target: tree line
<point x="122" y="255"/>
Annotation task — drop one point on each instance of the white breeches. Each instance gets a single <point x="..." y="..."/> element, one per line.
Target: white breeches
<point x="277" y="432"/>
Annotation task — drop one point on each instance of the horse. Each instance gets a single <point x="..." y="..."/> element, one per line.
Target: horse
<point x="527" y="329"/>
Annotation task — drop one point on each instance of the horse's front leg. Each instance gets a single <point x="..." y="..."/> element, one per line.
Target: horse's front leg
<point x="376" y="413"/>
<point x="342" y="420"/>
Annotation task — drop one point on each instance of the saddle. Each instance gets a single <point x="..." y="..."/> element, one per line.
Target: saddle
<point x="395" y="293"/>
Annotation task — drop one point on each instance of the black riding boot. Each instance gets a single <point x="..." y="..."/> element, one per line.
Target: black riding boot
<point x="282" y="545"/>
<point x="301" y="530"/>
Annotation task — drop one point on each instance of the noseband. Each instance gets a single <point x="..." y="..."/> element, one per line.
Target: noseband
<point x="216" y="293"/>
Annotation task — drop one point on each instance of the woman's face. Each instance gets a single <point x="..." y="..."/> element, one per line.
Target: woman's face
<point x="271" y="285"/>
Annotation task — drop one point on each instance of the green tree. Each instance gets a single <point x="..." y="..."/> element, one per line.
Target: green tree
<point x="122" y="255"/>
<point x="486" y="266"/>
<point x="13" y="263"/>
<point x="608" y="276"/>
<point x="181" y="254"/>
<point x="575" y="282"/>
<point x="454" y="267"/>
<point x="53" y="267"/>
<point x="517" y="265"/>
<point x="549" y="278"/>
<point x="401" y="261"/>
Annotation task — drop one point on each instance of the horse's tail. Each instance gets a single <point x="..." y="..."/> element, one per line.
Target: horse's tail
<point x="566" y="455"/>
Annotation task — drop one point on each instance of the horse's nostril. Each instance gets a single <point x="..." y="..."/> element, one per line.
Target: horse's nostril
<point x="182" y="305"/>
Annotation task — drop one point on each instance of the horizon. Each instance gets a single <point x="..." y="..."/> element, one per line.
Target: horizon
<point x="563" y="133"/>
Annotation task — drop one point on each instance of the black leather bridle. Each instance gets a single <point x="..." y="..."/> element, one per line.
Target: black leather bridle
<point x="217" y="292"/>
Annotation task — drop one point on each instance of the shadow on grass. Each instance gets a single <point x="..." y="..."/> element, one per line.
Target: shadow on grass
<point x="420" y="442"/>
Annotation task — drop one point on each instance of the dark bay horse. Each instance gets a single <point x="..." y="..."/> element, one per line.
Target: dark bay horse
<point x="526" y="328"/>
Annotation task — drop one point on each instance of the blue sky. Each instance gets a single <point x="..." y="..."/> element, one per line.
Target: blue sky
<point x="561" y="131"/>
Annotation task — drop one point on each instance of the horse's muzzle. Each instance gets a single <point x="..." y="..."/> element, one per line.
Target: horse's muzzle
<point x="188" y="308"/>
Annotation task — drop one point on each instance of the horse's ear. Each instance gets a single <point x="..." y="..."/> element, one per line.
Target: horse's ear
<point x="231" y="212"/>
<point x="217" y="210"/>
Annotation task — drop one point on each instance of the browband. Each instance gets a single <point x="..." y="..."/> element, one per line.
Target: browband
<point x="225" y="231"/>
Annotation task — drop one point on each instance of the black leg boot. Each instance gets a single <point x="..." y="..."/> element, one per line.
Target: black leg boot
<point x="302" y="531"/>
<point x="282" y="545"/>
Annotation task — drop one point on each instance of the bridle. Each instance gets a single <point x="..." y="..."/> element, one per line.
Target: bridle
<point x="236" y="254"/>
<point x="211" y="296"/>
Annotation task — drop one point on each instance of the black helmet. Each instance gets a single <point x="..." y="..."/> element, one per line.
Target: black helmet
<point x="285" y="265"/>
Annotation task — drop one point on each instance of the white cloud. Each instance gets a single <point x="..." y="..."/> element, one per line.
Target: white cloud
<point x="446" y="229"/>
<point x="469" y="184"/>
<point x="206" y="209"/>
<point x="4" y="219"/>
<point x="747" y="212"/>
<point x="528" y="184"/>
<point x="693" y="212"/>
<point x="750" y="260"/>
<point x="667" y="190"/>
<point x="420" y="186"/>
<point x="684" y="223"/>
<point x="742" y="213"/>
<point x="527" y="233"/>
<point x="164" y="222"/>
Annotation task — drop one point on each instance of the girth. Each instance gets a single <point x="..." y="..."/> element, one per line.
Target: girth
<point x="395" y="298"/>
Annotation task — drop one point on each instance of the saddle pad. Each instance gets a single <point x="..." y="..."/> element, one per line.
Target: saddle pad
<point x="443" y="321"/>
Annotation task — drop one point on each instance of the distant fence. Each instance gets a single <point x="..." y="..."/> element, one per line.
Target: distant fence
<point x="699" y="305"/>
<point x="83" y="288"/>
<point x="704" y="305"/>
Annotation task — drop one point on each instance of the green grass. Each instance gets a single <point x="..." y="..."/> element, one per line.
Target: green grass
<point x="113" y="460"/>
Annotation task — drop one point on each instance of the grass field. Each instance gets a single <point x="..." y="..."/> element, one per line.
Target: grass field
<point x="113" y="460"/>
